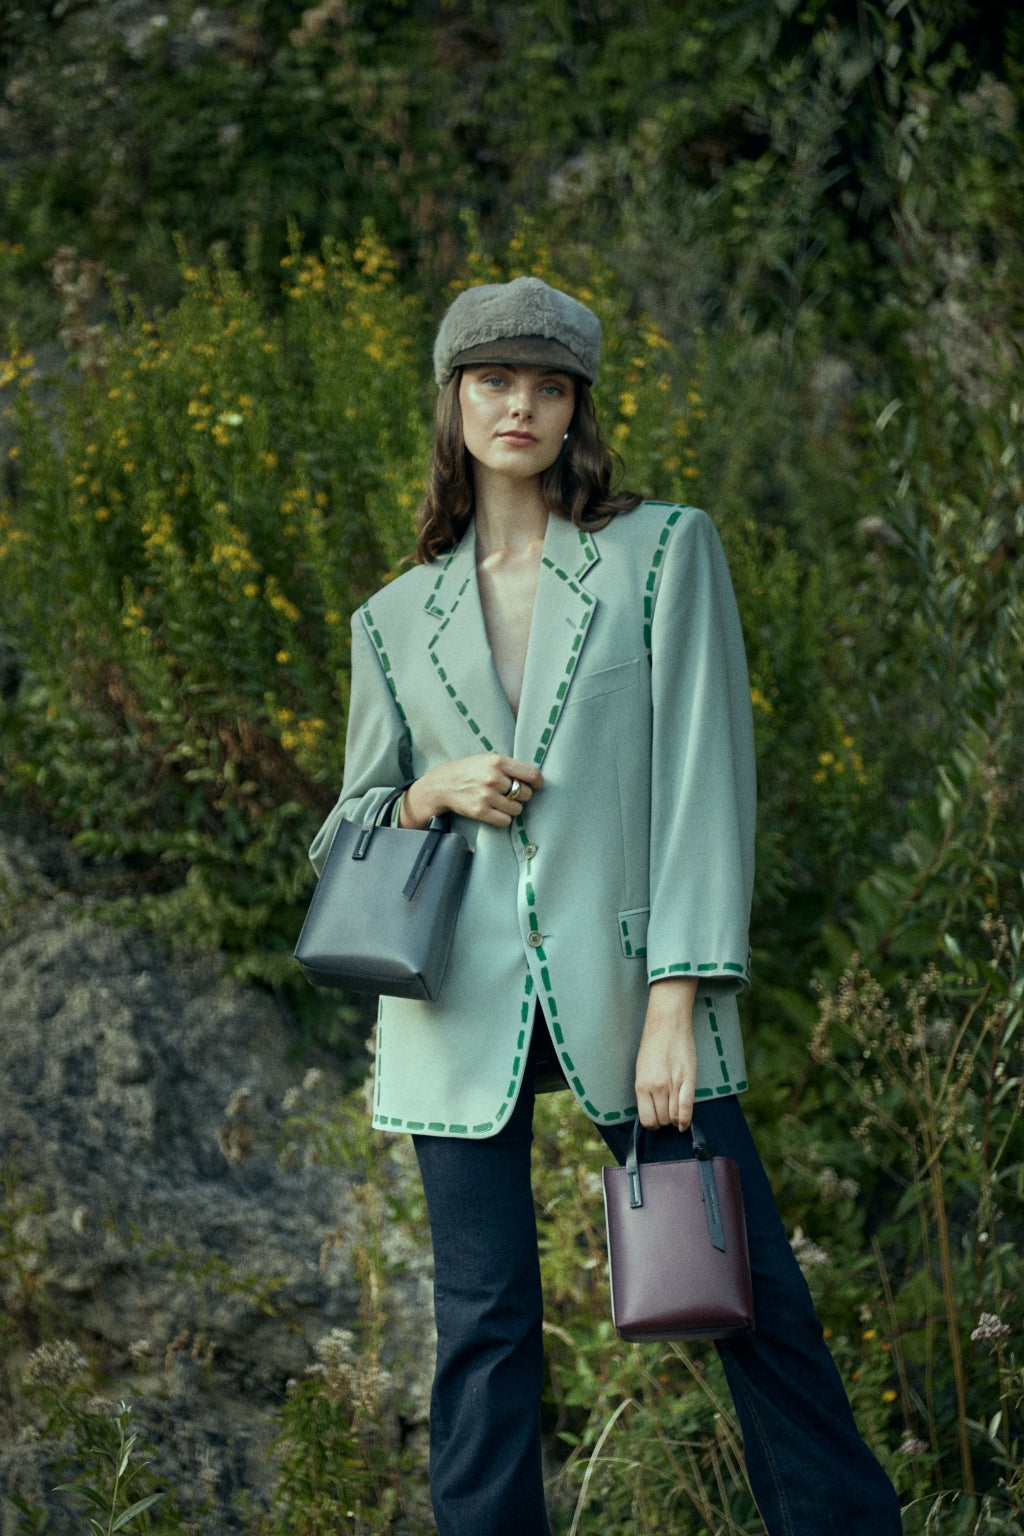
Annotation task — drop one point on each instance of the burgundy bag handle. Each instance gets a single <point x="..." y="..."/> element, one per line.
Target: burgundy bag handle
<point x="708" y="1188"/>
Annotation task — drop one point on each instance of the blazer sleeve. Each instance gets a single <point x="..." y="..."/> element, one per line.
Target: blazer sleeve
<point x="378" y="752"/>
<point x="703" y="790"/>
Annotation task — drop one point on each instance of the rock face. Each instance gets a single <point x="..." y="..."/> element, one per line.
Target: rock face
<point x="143" y="1101"/>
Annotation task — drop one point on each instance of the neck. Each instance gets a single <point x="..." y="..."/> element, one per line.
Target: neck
<point x="509" y="515"/>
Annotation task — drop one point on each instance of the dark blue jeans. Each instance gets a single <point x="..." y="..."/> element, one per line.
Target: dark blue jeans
<point x="811" y="1472"/>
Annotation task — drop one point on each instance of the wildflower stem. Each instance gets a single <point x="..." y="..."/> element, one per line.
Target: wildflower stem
<point x="952" y="1319"/>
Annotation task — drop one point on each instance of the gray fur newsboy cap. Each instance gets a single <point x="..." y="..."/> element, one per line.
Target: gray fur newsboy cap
<point x="524" y="321"/>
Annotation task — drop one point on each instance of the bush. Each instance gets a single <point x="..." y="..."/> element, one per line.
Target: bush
<point x="222" y="489"/>
<point x="185" y="550"/>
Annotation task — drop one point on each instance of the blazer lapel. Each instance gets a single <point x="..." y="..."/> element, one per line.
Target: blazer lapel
<point x="461" y="655"/>
<point x="562" y="613"/>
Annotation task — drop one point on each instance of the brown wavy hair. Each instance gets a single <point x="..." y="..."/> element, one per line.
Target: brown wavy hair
<point x="578" y="485"/>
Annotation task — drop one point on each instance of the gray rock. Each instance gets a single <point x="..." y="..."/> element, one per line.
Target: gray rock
<point x="142" y="1098"/>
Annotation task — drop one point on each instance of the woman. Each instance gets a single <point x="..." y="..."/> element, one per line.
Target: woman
<point x="564" y="673"/>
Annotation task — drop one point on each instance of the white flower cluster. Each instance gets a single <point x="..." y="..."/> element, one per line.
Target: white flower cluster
<point x="991" y="1330"/>
<point x="54" y="1365"/>
<point x="808" y="1254"/>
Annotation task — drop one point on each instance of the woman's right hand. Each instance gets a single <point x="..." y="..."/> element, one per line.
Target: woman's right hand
<point x="476" y="787"/>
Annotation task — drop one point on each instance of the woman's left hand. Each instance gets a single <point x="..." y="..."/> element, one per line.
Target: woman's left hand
<point x="666" y="1064"/>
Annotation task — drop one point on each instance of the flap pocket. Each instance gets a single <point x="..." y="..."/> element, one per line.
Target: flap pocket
<point x="633" y="932"/>
<point x="590" y="685"/>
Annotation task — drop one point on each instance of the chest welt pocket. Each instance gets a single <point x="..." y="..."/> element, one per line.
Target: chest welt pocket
<point x="633" y="931"/>
<point x="593" y="685"/>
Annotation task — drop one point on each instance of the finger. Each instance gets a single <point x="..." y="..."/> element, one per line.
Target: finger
<point x="526" y="773"/>
<point x="523" y="794"/>
<point x="682" y="1109"/>
<point x="646" y="1111"/>
<point x="658" y="1103"/>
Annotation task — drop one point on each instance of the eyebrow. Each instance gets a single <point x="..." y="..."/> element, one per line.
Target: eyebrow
<point x="545" y="373"/>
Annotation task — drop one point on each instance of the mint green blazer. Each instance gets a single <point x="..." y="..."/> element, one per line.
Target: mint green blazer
<point x="633" y="862"/>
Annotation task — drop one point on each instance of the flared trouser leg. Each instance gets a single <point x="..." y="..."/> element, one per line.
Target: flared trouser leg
<point x="810" y="1471"/>
<point x="486" y="1477"/>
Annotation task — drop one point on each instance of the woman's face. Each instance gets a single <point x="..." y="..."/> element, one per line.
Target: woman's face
<point x="514" y="419"/>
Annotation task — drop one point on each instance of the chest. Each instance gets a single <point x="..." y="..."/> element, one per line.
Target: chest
<point x="507" y="598"/>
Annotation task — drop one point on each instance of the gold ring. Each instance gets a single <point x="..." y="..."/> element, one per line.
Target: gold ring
<point x="514" y="790"/>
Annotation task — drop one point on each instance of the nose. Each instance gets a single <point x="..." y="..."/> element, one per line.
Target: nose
<point x="521" y="403"/>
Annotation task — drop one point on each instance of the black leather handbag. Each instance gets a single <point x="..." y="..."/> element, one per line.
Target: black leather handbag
<point x="677" y="1246"/>
<point x="383" y="914"/>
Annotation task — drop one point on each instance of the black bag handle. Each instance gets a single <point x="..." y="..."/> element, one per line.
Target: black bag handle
<point x="708" y="1189"/>
<point x="436" y="827"/>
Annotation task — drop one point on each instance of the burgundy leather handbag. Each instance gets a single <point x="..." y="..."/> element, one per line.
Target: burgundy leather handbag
<point x="677" y="1246"/>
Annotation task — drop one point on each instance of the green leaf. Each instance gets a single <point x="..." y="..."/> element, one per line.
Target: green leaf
<point x="90" y="1494"/>
<point x="134" y="1509"/>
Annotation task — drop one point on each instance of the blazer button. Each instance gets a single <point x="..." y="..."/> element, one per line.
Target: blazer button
<point x="529" y="850"/>
<point x="535" y="940"/>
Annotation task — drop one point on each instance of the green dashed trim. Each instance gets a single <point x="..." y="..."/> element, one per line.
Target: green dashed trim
<point x="551" y="1006"/>
<point x="588" y="548"/>
<point x="650" y="585"/>
<point x="462" y="708"/>
<point x="385" y="661"/>
<point x="440" y="1127"/>
<point x="525" y="1015"/>
<point x="383" y="1123"/>
<point x="551" y="1009"/>
<point x="726" y="1085"/>
<point x="563" y="686"/>
<point x="628" y="949"/>
<point x="687" y="968"/>
<point x="429" y="604"/>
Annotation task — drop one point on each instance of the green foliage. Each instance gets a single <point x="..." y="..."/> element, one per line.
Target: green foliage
<point x="122" y="1465"/>
<point x="224" y="489"/>
<point x="747" y="158"/>
<point x="809" y="220"/>
<point x="343" y="1461"/>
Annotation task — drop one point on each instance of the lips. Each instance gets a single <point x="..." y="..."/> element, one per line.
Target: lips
<point x="525" y="438"/>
